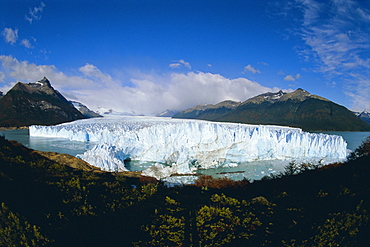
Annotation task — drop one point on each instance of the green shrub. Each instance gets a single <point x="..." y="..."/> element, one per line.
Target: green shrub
<point x="362" y="150"/>
<point x="16" y="232"/>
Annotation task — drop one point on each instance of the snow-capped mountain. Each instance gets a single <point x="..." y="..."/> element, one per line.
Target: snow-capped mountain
<point x="109" y="111"/>
<point x="35" y="103"/>
<point x="84" y="110"/>
<point x="167" y="113"/>
<point x="364" y="116"/>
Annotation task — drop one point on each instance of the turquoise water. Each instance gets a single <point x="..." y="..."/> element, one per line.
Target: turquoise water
<point x="59" y="145"/>
<point x="251" y="170"/>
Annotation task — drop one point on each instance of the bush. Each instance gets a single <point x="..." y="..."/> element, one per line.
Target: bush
<point x="16" y="232"/>
<point x="362" y="150"/>
<point x="206" y="181"/>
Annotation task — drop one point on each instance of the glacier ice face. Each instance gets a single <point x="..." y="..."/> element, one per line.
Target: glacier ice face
<point x="160" y="171"/>
<point x="187" y="145"/>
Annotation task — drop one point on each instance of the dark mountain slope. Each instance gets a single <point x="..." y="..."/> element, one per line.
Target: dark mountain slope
<point x="35" y="103"/>
<point x="310" y="114"/>
<point x="84" y="110"/>
<point x="297" y="109"/>
<point x="208" y="112"/>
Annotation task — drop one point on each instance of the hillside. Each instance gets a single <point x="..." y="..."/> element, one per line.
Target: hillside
<point x="364" y="116"/>
<point x="35" y="103"/>
<point x="209" y="111"/>
<point x="297" y="109"/>
<point x="84" y="110"/>
<point x="45" y="203"/>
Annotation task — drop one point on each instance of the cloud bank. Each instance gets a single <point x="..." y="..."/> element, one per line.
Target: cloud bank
<point x="146" y="94"/>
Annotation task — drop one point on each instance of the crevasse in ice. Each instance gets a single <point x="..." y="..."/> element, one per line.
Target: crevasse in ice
<point x="186" y="145"/>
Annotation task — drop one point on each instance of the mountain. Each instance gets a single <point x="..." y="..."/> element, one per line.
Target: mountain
<point x="296" y="109"/>
<point x="209" y="111"/>
<point x="364" y="116"/>
<point x="35" y="103"/>
<point x="108" y="111"/>
<point x="167" y="113"/>
<point x="84" y="110"/>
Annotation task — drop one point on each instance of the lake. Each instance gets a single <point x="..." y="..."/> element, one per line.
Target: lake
<point x="251" y="170"/>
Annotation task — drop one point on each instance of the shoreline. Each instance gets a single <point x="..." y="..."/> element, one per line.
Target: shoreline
<point x="14" y="128"/>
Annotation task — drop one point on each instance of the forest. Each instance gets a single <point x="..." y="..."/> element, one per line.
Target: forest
<point x="45" y="203"/>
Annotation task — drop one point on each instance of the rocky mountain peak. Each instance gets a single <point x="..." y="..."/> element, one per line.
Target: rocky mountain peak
<point x="270" y="97"/>
<point x="35" y="103"/>
<point x="300" y="95"/>
<point x="44" y="82"/>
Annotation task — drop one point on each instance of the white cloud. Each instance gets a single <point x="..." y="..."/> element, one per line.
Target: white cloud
<point x="10" y="35"/>
<point x="289" y="78"/>
<point x="251" y="69"/>
<point x="35" y="13"/>
<point x="201" y="88"/>
<point x="151" y="94"/>
<point x="174" y="65"/>
<point x="26" y="43"/>
<point x="292" y="78"/>
<point x="359" y="93"/>
<point x="30" y="72"/>
<point x="2" y="76"/>
<point x="92" y="71"/>
<point x="178" y="64"/>
<point x="336" y="35"/>
<point x="147" y="94"/>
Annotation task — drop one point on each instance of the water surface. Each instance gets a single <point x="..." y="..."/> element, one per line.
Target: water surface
<point x="250" y="170"/>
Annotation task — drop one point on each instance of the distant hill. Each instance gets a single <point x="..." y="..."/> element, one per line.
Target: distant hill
<point x="364" y="116"/>
<point x="209" y="111"/>
<point x="35" y="103"/>
<point x="167" y="113"/>
<point x="297" y="109"/>
<point x="84" y="110"/>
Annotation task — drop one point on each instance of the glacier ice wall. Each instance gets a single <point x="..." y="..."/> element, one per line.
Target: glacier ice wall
<point x="190" y="144"/>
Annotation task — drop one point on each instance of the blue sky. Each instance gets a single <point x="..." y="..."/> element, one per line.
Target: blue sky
<point x="148" y="56"/>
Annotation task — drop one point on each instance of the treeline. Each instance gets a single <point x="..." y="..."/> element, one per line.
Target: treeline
<point x="43" y="203"/>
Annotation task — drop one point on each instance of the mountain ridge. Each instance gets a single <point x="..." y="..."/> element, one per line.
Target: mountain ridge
<point x="296" y="109"/>
<point x="84" y="109"/>
<point x="208" y="111"/>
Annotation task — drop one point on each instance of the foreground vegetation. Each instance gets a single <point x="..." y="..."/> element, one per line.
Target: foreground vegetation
<point x="44" y="203"/>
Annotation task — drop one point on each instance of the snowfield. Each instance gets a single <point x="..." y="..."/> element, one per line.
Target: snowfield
<point x="181" y="146"/>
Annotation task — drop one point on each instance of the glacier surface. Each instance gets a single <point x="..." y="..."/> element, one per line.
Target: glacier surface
<point x="181" y="146"/>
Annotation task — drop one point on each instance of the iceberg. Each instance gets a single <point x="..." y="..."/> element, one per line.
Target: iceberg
<point x="181" y="146"/>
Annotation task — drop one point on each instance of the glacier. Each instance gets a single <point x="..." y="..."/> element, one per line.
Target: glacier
<point x="182" y="146"/>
